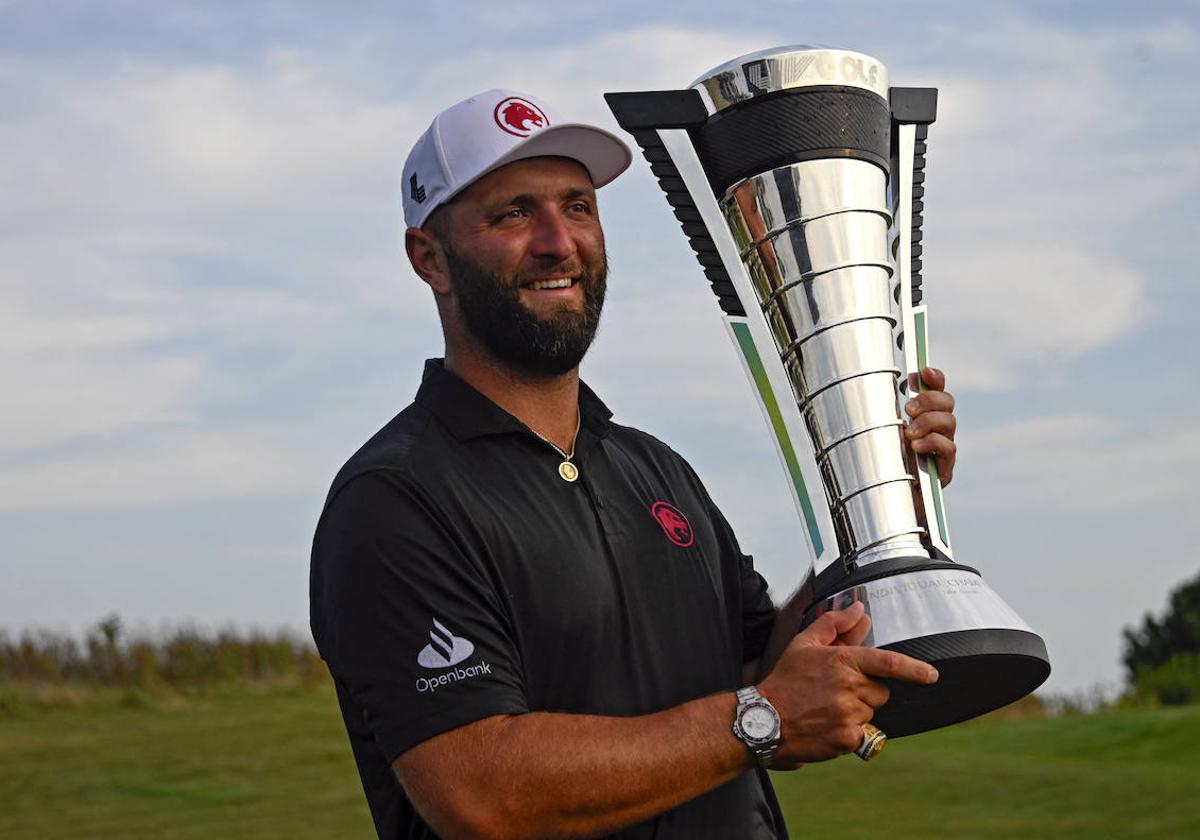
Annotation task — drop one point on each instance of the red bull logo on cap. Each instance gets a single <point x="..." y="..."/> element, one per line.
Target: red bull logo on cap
<point x="519" y="116"/>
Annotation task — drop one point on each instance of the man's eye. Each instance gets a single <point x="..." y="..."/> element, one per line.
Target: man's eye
<point x="511" y="213"/>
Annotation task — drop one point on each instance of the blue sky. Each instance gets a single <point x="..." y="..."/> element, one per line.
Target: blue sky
<point x="204" y="306"/>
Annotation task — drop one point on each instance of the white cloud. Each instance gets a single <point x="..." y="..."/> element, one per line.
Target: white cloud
<point x="171" y="142"/>
<point x="117" y="183"/>
<point x="1040" y="173"/>
<point x="75" y="393"/>
<point x="1007" y="310"/>
<point x="181" y="466"/>
<point x="638" y="58"/>
<point x="1079" y="463"/>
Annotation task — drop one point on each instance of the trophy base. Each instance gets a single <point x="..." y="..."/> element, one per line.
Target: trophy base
<point x="946" y="615"/>
<point x="979" y="671"/>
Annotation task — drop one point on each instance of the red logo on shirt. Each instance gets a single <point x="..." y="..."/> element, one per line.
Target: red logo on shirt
<point x="674" y="524"/>
<point x="519" y="116"/>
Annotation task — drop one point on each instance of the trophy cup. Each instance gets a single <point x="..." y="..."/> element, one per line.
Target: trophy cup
<point x="797" y="176"/>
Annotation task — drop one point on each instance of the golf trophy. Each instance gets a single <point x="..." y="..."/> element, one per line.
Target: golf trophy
<point x="797" y="176"/>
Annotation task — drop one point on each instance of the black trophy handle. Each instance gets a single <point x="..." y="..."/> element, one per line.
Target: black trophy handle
<point x="642" y="114"/>
<point x="919" y="106"/>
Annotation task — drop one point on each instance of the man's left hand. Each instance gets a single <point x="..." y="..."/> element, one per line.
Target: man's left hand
<point x="931" y="430"/>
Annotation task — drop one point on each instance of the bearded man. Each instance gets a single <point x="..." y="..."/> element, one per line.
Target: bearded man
<point x="538" y="622"/>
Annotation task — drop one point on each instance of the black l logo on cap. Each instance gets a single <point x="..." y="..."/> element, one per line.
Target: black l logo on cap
<point x="416" y="190"/>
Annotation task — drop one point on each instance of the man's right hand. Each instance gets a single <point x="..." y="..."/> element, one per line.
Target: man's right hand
<point x="825" y="687"/>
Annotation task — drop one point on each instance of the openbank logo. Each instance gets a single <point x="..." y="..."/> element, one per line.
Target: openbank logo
<point x="444" y="648"/>
<point x="425" y="684"/>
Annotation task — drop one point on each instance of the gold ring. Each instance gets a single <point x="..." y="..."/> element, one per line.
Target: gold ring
<point x="872" y="742"/>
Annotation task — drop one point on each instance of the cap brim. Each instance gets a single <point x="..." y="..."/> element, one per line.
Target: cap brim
<point x="603" y="154"/>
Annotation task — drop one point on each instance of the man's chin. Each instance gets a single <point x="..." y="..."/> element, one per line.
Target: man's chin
<point x="541" y="303"/>
<point x="563" y="313"/>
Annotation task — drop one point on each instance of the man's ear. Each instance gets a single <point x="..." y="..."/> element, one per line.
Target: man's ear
<point x="428" y="259"/>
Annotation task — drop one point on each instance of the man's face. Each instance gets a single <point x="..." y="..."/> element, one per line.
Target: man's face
<point x="526" y="257"/>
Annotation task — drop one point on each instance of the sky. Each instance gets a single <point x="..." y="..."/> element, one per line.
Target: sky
<point x="205" y="306"/>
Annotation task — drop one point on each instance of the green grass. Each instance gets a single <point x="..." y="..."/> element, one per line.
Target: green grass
<point x="232" y="766"/>
<point x="278" y="765"/>
<point x="1115" y="774"/>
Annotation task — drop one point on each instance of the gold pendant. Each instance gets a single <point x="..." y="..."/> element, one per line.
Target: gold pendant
<point x="568" y="471"/>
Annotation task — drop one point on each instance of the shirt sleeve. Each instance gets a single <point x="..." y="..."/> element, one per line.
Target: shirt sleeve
<point x="405" y="618"/>
<point x="757" y="609"/>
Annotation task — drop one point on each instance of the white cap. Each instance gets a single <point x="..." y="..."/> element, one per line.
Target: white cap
<point x="470" y="139"/>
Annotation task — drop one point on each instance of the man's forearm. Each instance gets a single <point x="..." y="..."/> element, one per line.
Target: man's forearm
<point x="546" y="775"/>
<point x="565" y="775"/>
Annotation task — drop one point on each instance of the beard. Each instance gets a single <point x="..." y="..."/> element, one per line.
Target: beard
<point x="493" y="314"/>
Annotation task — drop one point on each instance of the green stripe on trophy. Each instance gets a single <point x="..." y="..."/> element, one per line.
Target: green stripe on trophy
<point x="759" y="373"/>
<point x="935" y="483"/>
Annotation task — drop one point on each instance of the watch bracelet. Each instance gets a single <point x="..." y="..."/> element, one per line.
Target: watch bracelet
<point x="764" y="754"/>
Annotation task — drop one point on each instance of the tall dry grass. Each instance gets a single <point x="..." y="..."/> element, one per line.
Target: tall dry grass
<point x="49" y="668"/>
<point x="186" y="659"/>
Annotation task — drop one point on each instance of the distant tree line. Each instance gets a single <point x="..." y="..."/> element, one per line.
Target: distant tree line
<point x="1162" y="655"/>
<point x="182" y="658"/>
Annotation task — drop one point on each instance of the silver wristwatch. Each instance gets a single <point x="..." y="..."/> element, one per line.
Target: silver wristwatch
<point x="756" y="724"/>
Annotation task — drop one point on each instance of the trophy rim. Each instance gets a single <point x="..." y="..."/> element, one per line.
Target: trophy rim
<point x="718" y="83"/>
<point x="769" y="52"/>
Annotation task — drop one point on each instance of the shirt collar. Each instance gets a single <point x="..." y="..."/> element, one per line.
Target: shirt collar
<point x="467" y="414"/>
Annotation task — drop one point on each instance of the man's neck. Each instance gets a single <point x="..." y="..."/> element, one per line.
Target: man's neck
<point x="549" y="405"/>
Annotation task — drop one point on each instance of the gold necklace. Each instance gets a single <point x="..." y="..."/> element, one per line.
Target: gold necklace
<point x="566" y="470"/>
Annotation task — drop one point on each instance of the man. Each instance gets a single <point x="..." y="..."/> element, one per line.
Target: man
<point x="521" y="646"/>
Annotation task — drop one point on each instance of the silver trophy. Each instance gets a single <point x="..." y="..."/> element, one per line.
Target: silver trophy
<point x="797" y="175"/>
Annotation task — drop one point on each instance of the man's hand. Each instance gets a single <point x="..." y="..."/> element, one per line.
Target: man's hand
<point x="931" y="430"/>
<point x="823" y="689"/>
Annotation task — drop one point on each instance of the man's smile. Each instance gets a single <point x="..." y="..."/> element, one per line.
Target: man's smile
<point x="559" y="283"/>
<point x="553" y="287"/>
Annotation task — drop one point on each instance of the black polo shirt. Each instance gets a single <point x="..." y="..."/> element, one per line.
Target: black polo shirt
<point x="456" y="576"/>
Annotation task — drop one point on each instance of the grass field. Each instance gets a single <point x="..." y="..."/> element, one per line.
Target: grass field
<point x="277" y="765"/>
<point x="1109" y="775"/>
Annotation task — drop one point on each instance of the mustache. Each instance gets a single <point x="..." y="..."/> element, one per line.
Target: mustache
<point x="541" y="268"/>
<point x="572" y="268"/>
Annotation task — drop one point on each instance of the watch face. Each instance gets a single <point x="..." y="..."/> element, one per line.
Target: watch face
<point x="759" y="722"/>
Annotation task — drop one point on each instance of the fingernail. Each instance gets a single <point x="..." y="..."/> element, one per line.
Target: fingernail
<point x="911" y="407"/>
<point x="932" y="675"/>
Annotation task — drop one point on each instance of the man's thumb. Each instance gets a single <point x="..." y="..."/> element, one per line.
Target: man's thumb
<point x="825" y="630"/>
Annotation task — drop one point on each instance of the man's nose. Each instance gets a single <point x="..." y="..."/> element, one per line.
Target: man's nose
<point x="552" y="237"/>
